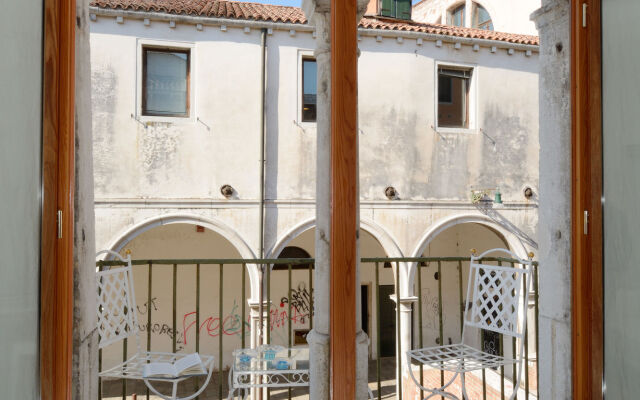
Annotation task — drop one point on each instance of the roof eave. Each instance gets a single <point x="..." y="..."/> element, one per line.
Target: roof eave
<point x="306" y="27"/>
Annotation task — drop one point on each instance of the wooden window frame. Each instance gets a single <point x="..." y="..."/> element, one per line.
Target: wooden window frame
<point x="470" y="100"/>
<point x="587" y="295"/>
<point x="187" y="51"/>
<point x="58" y="183"/>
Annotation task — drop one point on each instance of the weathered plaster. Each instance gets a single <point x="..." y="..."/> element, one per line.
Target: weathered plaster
<point x="554" y="229"/>
<point x="85" y="337"/>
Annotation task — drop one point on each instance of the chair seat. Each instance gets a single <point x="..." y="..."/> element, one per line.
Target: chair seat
<point x="457" y="358"/>
<point x="133" y="368"/>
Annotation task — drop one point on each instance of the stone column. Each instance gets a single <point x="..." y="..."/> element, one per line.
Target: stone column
<point x="85" y="336"/>
<point x="318" y="14"/>
<point x="554" y="228"/>
<point x="254" y="315"/>
<point x="404" y="338"/>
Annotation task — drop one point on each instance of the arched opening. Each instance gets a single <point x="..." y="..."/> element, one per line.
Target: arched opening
<point x="480" y="17"/>
<point x="441" y="288"/>
<point x="186" y="307"/>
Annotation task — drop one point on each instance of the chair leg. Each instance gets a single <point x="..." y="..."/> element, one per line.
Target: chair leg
<point x="433" y="392"/>
<point x="465" y="396"/>
<point x="174" y="392"/>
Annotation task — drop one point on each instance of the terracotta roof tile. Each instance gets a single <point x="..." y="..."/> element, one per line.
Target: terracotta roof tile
<point x="294" y="15"/>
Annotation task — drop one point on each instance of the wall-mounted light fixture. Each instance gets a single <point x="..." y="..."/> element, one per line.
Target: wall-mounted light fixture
<point x="391" y="192"/>
<point x="226" y="190"/>
<point x="528" y="192"/>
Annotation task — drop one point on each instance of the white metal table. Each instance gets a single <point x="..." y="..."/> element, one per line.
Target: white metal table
<point x="268" y="366"/>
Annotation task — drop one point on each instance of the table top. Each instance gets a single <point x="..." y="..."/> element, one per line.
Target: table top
<point x="268" y="359"/>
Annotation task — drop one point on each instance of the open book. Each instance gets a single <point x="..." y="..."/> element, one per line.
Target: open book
<point x="186" y="366"/>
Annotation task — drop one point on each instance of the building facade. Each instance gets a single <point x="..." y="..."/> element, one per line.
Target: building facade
<point x="499" y="15"/>
<point x="179" y="148"/>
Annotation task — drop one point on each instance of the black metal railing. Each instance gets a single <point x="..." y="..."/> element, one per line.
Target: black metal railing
<point x="231" y="269"/>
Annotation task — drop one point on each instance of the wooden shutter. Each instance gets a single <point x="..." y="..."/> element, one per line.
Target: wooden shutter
<point x="386" y="8"/>
<point x="403" y="9"/>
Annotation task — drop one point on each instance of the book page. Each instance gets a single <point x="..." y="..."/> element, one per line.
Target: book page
<point x="159" y="369"/>
<point x="189" y="365"/>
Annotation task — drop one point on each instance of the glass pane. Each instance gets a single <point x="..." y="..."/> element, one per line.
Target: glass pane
<point x="481" y="18"/>
<point x="457" y="16"/>
<point x="20" y="141"/>
<point x="309" y="90"/>
<point x="621" y="158"/>
<point x="166" y="83"/>
<point x="452" y="99"/>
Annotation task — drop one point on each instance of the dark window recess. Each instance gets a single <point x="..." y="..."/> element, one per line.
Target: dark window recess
<point x="453" y="97"/>
<point x="309" y="90"/>
<point x="165" y="82"/>
<point x="292" y="252"/>
<point x="387" y="322"/>
<point x="300" y="336"/>
<point x="400" y="9"/>
<point x="364" y="307"/>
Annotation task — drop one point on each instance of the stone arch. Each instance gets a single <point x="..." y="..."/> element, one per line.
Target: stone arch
<point x="513" y="241"/>
<point x="387" y="242"/>
<point x="215" y="225"/>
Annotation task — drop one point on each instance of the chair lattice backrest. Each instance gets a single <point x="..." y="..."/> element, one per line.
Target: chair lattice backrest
<point x="117" y="317"/>
<point x="497" y="295"/>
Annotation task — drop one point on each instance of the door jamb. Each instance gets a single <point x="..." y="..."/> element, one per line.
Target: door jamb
<point x="58" y="182"/>
<point x="586" y="275"/>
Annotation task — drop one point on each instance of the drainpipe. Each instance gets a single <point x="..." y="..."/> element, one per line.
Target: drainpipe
<point x="263" y="89"/>
<point x="263" y="74"/>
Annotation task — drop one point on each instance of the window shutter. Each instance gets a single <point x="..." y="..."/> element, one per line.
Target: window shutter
<point x="386" y="8"/>
<point x="403" y="9"/>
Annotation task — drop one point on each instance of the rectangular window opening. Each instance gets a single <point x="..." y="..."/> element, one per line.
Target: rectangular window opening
<point x="165" y="82"/>
<point x="453" y="97"/>
<point x="309" y="89"/>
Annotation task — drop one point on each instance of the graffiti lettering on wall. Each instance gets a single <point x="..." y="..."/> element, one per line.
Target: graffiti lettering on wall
<point x="231" y="323"/>
<point x="430" y="309"/>
<point x="300" y="302"/>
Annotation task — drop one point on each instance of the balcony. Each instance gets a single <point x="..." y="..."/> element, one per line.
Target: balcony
<point x="211" y="306"/>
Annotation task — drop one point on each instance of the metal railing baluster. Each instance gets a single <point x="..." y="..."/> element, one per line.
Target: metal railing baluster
<point x="378" y="358"/>
<point x="220" y="329"/>
<point x="398" y="330"/>
<point x="124" y="358"/>
<point x="197" y="321"/>
<point x="513" y="349"/>
<point x="501" y="355"/>
<point x="440" y="327"/>
<point x="535" y="297"/>
<point x="175" y="301"/>
<point x="243" y="301"/>
<point x="420" y="340"/>
<point x="482" y="337"/>
<point x="268" y="266"/>
<point x="289" y="322"/>
<point x="311" y="267"/>
<point x="149" y="308"/>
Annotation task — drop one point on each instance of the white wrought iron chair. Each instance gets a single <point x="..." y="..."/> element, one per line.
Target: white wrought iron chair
<point x="496" y="301"/>
<point x="117" y="320"/>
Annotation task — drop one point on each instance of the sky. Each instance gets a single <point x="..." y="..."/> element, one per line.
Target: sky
<point x="295" y="3"/>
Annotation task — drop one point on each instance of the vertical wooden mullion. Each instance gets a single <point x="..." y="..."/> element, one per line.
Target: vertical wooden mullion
<point x="58" y="178"/>
<point x="586" y="277"/>
<point x="344" y="198"/>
